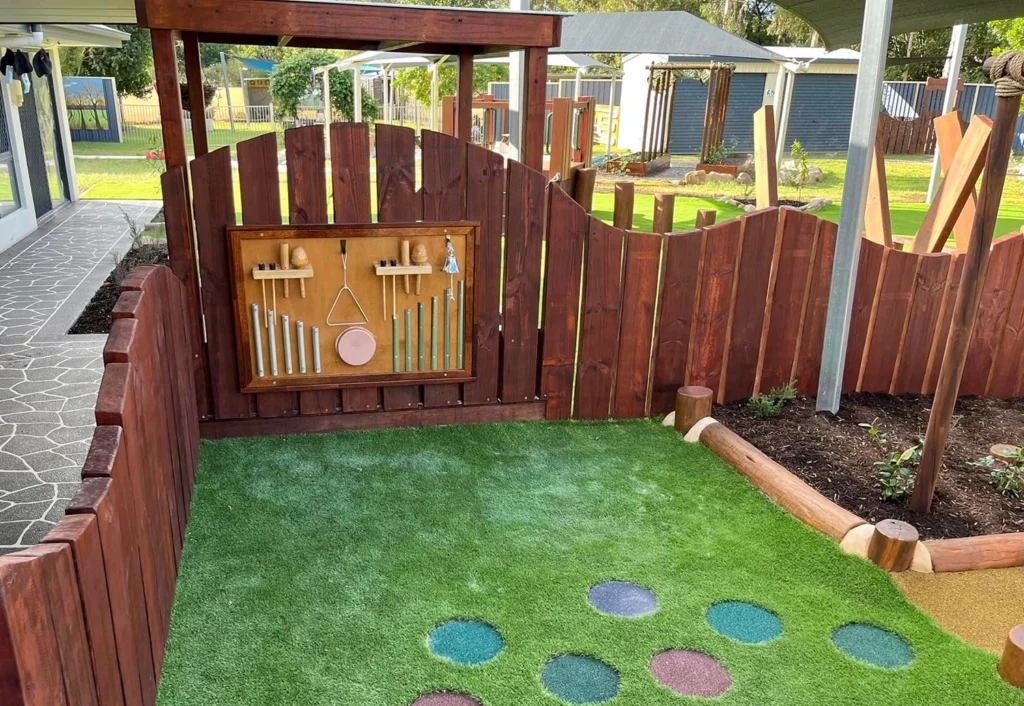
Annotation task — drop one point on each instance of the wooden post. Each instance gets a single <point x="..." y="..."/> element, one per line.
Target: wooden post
<point x="165" y="66"/>
<point x="766" y="183"/>
<point x="877" y="218"/>
<point x="968" y="296"/>
<point x="533" y="111"/>
<point x="1011" y="664"/>
<point x="448" y="112"/>
<point x="196" y="96"/>
<point x="583" y="190"/>
<point x="647" y="116"/>
<point x="949" y="135"/>
<point x="692" y="404"/>
<point x="464" y="97"/>
<point x="623" y="214"/>
<point x="560" y="159"/>
<point x="664" y="213"/>
<point x="706" y="217"/>
<point x="892" y="545"/>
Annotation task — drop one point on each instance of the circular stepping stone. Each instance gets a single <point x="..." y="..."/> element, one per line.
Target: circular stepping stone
<point x="744" y="622"/>
<point x="626" y="600"/>
<point x="873" y="645"/>
<point x="579" y="679"/>
<point x="465" y="642"/>
<point x="446" y="698"/>
<point x="690" y="673"/>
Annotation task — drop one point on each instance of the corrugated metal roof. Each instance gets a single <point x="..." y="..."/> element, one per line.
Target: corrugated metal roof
<point x="839" y="23"/>
<point x="678" y="33"/>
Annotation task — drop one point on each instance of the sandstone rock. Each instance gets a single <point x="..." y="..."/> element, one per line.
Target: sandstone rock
<point x="695" y="178"/>
<point x="745" y="179"/>
<point x="718" y="178"/>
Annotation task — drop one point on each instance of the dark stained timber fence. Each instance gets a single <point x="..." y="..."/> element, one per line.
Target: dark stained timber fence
<point x="84" y="615"/>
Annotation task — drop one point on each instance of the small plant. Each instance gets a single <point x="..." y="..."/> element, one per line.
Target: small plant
<point x="800" y="156"/>
<point x="877" y="435"/>
<point x="770" y="405"/>
<point x="1007" y="473"/>
<point x="721" y="152"/>
<point x="896" y="476"/>
<point x="133" y="229"/>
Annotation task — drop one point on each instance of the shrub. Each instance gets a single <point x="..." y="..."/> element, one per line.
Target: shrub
<point x="1007" y="473"/>
<point x="896" y="477"/>
<point x="770" y="405"/>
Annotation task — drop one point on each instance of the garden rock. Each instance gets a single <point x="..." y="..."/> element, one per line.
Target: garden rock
<point x="745" y="179"/>
<point x="790" y="174"/>
<point x="718" y="178"/>
<point x="817" y="205"/>
<point x="696" y="178"/>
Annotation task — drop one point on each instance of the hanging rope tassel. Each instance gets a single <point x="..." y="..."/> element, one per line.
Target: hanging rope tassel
<point x="1008" y="74"/>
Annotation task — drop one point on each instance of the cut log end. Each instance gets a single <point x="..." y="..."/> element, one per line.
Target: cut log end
<point x="1011" y="664"/>
<point x="1005" y="452"/>
<point x="692" y="405"/>
<point x="892" y="545"/>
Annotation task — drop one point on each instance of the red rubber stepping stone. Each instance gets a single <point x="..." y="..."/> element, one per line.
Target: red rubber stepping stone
<point x="446" y="698"/>
<point x="690" y="673"/>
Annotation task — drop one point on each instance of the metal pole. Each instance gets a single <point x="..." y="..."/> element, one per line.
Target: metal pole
<point x="787" y="103"/>
<point x="327" y="97"/>
<point x="516" y="74"/>
<point x="227" y="90"/>
<point x="387" y="94"/>
<point x="866" y="104"/>
<point x="357" y="93"/>
<point x="611" y="118"/>
<point x="952" y="73"/>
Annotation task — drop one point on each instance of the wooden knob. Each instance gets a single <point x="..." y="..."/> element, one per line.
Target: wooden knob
<point x="692" y="404"/>
<point x="892" y="545"/>
<point x="1011" y="664"/>
<point x="419" y="254"/>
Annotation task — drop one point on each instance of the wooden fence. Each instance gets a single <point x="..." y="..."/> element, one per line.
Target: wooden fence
<point x="84" y="615"/>
<point x="738" y="307"/>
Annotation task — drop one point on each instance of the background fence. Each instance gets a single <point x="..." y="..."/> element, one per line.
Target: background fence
<point x="84" y="615"/>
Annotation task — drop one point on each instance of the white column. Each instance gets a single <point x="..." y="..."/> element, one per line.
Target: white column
<point x="61" y="110"/>
<point x="864" y="125"/>
<point x="327" y="99"/>
<point x="611" y="118"/>
<point x="357" y="93"/>
<point x="952" y="73"/>
<point x="579" y="84"/>
<point x="516" y="72"/>
<point x="387" y="94"/>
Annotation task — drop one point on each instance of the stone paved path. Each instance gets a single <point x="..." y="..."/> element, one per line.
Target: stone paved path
<point x="48" y="379"/>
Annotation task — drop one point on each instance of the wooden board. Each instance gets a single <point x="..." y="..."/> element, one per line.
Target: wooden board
<point x="807" y="366"/>
<point x="679" y="282"/>
<point x="524" y="236"/>
<point x="566" y="232"/>
<point x="1007" y="375"/>
<point x="926" y="303"/>
<point x="1001" y="275"/>
<point x="949" y="134"/>
<point x="787" y="292"/>
<point x="600" y="320"/>
<point x="749" y="290"/>
<point x="714" y="300"/>
<point x="350" y="181"/>
<point x="366" y="245"/>
<point x="868" y="272"/>
<point x="766" y="188"/>
<point x="485" y="201"/>
<point x="891" y="306"/>
<point x="877" y="216"/>
<point x="636" y="326"/>
<point x="938" y="347"/>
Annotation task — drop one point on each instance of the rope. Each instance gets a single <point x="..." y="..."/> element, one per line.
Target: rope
<point x="1008" y="74"/>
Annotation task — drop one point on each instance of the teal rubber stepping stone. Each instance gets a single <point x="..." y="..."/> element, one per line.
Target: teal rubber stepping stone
<point x="578" y="679"/>
<point x="744" y="622"/>
<point x="873" y="645"/>
<point x="469" y="643"/>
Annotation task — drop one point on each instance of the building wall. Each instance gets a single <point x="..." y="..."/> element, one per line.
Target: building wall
<point x="822" y="111"/>
<point x="746" y="96"/>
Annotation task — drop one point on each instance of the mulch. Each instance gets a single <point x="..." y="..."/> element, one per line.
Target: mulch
<point x="98" y="313"/>
<point x="837" y="457"/>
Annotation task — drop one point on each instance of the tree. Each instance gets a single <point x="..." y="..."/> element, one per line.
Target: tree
<point x="130" y="66"/>
<point x="292" y="80"/>
<point x="931" y="48"/>
<point x="1009" y="33"/>
<point x="416" y="82"/>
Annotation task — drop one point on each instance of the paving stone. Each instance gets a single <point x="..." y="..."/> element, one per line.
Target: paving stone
<point x="10" y="462"/>
<point x="68" y="474"/>
<point x="45" y="461"/>
<point x="33" y="417"/>
<point x="10" y="532"/>
<point x="21" y="445"/>
<point x="37" y="493"/>
<point x="16" y="480"/>
<point x="35" y="532"/>
<point x="25" y="511"/>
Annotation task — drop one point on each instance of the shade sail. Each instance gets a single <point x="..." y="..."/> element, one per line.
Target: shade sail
<point x="676" y="33"/>
<point x="840" y="23"/>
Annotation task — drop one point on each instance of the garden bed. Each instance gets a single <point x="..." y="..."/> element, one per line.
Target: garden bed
<point x="97" y="315"/>
<point x="837" y="457"/>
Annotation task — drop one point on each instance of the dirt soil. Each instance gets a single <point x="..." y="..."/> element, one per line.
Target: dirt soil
<point x="97" y="316"/>
<point x="837" y="457"/>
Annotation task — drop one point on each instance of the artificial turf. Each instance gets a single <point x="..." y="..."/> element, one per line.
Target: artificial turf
<point x="316" y="567"/>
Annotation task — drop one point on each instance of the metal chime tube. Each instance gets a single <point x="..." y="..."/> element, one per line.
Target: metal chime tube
<point x="461" y="326"/>
<point x="396" y="354"/>
<point x="433" y="333"/>
<point x="272" y="344"/>
<point x="447" y="329"/>
<point x="257" y="339"/>
<point x="300" y="336"/>
<point x="316" y="350"/>
<point x="286" y="340"/>
<point x="421" y="341"/>
<point x="408" y="340"/>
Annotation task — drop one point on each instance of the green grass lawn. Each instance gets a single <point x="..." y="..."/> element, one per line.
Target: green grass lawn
<point x="315" y="567"/>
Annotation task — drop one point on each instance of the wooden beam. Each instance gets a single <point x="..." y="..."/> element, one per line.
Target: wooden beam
<point x="168" y="91"/>
<point x="949" y="134"/>
<point x="374" y="23"/>
<point x="956" y="188"/>
<point x="534" y="102"/>
<point x="968" y="297"/>
<point x="196" y="96"/>
<point x="766" y="183"/>
<point x="877" y="217"/>
<point x="464" y="96"/>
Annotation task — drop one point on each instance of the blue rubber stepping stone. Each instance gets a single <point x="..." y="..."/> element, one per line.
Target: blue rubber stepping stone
<point x="466" y="642"/>
<point x="744" y="622"/>
<point x="873" y="645"/>
<point x="626" y="600"/>
<point x="579" y="679"/>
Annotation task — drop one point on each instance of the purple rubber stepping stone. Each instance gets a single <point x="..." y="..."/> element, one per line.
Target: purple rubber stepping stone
<point x="445" y="698"/>
<point x="690" y="673"/>
<point x="626" y="600"/>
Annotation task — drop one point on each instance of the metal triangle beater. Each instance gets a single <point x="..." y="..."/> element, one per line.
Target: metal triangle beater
<point x="346" y="288"/>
